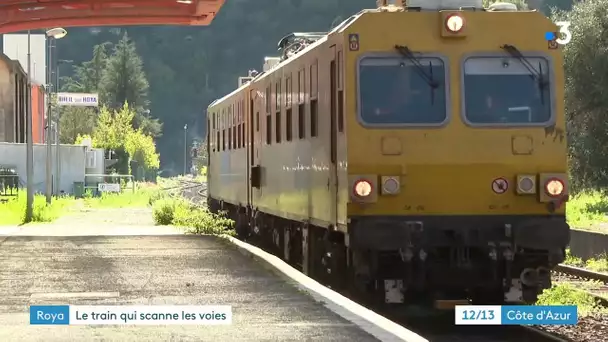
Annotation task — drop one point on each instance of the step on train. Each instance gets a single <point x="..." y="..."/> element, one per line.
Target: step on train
<point x="416" y="152"/>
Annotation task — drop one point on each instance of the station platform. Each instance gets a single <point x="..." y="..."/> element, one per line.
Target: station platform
<point x="100" y="264"/>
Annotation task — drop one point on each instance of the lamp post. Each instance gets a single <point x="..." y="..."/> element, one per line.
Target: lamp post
<point x="57" y="142"/>
<point x="52" y="34"/>
<point x="29" y="138"/>
<point x="185" y="146"/>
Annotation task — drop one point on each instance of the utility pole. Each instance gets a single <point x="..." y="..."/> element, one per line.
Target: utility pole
<point x="29" y="138"/>
<point x="52" y="35"/>
<point x="185" y="146"/>
<point x="49" y="151"/>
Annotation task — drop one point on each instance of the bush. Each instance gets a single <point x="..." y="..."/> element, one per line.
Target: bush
<point x="163" y="211"/>
<point x="198" y="220"/>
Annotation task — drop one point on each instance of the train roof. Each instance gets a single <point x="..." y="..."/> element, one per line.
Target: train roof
<point x="319" y="38"/>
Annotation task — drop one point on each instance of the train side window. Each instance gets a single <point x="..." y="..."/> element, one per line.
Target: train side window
<point x="314" y="104"/>
<point x="268" y="99"/>
<point x="211" y="130"/>
<point x="301" y="106"/>
<point x="279" y="97"/>
<point x="301" y="121"/>
<point x="229" y="132"/>
<point x="268" y="129"/>
<point x="340" y="93"/>
<point x="257" y="121"/>
<point x="288" y="105"/>
<point x="243" y="123"/>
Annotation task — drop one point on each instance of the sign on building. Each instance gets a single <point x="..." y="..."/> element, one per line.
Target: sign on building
<point x="78" y="99"/>
<point x="108" y="187"/>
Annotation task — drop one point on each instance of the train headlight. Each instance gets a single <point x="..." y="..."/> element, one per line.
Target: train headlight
<point x="362" y="188"/>
<point x="554" y="187"/>
<point x="526" y="184"/>
<point x="390" y="185"/>
<point x="454" y="23"/>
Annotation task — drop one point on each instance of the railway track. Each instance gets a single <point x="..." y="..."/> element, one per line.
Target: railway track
<point x="434" y="326"/>
<point x="594" y="283"/>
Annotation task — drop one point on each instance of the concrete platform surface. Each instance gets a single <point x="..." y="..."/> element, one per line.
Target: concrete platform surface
<point x="157" y="270"/>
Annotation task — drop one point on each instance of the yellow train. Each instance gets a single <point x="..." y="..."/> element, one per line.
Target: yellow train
<point x="412" y="152"/>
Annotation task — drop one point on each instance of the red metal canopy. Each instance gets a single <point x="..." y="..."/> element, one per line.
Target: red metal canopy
<point x="20" y="15"/>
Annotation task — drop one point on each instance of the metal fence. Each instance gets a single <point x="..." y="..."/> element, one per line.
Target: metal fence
<point x="9" y="184"/>
<point x="99" y="183"/>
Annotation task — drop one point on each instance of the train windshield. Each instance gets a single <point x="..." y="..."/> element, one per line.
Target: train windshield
<point x="500" y="90"/>
<point x="394" y="91"/>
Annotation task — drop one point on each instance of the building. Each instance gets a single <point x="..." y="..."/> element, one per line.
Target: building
<point x="14" y="101"/>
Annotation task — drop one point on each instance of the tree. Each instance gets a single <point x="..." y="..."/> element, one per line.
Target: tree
<point x="141" y="148"/>
<point x="75" y="121"/>
<point x="124" y="81"/>
<point x="88" y="75"/>
<point x="114" y="131"/>
<point x="521" y="4"/>
<point x="585" y="63"/>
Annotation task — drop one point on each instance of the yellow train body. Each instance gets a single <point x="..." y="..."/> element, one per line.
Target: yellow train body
<point x="449" y="170"/>
<point x="426" y="137"/>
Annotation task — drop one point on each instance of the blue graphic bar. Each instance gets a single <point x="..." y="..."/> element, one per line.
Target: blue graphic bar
<point x="50" y="314"/>
<point x="550" y="36"/>
<point x="541" y="314"/>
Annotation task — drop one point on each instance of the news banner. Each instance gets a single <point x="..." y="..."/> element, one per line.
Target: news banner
<point x="516" y="315"/>
<point x="130" y="315"/>
<point x="222" y="315"/>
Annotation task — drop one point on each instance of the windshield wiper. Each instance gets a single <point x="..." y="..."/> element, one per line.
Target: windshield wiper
<point x="407" y="53"/>
<point x="535" y="74"/>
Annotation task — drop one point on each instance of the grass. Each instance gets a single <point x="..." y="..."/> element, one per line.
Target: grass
<point x="141" y="198"/>
<point x="13" y="211"/>
<point x="587" y="209"/>
<point x="566" y="294"/>
<point x="599" y="264"/>
<point x="196" y="219"/>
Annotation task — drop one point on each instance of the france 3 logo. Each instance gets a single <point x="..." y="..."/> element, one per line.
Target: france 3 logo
<point x="562" y="37"/>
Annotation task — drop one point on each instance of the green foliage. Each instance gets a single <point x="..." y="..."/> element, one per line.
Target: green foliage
<point x="128" y="198"/>
<point x="585" y="60"/>
<point x="13" y="211"/>
<point x="87" y="77"/>
<point x="197" y="219"/>
<point x="163" y="212"/>
<point x="75" y="121"/>
<point x="587" y="209"/>
<point x="573" y="260"/>
<point x="142" y="149"/>
<point x="566" y="294"/>
<point x="521" y="4"/>
<point x="113" y="128"/>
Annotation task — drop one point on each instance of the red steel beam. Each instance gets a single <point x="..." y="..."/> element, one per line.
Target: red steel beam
<point x="20" y="15"/>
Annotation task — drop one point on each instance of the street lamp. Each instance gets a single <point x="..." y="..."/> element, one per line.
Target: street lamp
<point x="57" y="147"/>
<point x="52" y="35"/>
<point x="29" y="164"/>
<point x="185" y="146"/>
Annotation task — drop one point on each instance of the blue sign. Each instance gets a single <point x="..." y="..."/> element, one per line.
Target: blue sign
<point x="550" y="36"/>
<point x="50" y="314"/>
<point x="516" y="315"/>
<point x="539" y="315"/>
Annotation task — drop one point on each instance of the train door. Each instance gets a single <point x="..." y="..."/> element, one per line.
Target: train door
<point x="255" y="176"/>
<point x="333" y="85"/>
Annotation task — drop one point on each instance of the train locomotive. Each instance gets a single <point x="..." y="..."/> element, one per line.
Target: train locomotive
<point x="416" y="151"/>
